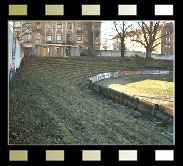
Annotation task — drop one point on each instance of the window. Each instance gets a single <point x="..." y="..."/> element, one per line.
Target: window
<point x="48" y="25"/>
<point x="96" y="38"/>
<point x="48" y="37"/>
<point x="69" y="26"/>
<point x="17" y="29"/>
<point x="59" y="37"/>
<point x="95" y="28"/>
<point x="166" y="45"/>
<point x="166" y="39"/>
<point x="86" y="37"/>
<point x="69" y="37"/>
<point x="28" y="38"/>
<point x="169" y="46"/>
<point x="38" y="27"/>
<point x="28" y="25"/>
<point x="59" y="26"/>
<point x="79" y="27"/>
<point x="38" y="36"/>
<point x="169" y="39"/>
<point x="17" y="24"/>
<point x="79" y="37"/>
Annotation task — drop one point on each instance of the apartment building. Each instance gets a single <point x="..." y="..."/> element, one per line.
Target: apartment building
<point x="167" y="39"/>
<point x="58" y="33"/>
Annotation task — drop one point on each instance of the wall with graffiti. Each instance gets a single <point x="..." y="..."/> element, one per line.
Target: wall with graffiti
<point x="15" y="53"/>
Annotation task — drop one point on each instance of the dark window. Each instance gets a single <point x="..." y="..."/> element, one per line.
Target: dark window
<point x="69" y="26"/>
<point x="28" y="38"/>
<point x="49" y="25"/>
<point x="79" y="27"/>
<point x="79" y="37"/>
<point x="59" y="37"/>
<point x="48" y="38"/>
<point x="38" y="36"/>
<point x="59" y="26"/>
<point x="69" y="37"/>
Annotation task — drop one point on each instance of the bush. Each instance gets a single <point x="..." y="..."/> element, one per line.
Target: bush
<point x="83" y="54"/>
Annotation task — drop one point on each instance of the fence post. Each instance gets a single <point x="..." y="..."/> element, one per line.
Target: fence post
<point x="109" y="91"/>
<point x="136" y="102"/>
<point x="121" y="97"/>
<point x="98" y="88"/>
<point x="155" y="108"/>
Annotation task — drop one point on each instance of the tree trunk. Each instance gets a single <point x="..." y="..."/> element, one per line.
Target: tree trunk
<point x="148" y="53"/>
<point x="122" y="48"/>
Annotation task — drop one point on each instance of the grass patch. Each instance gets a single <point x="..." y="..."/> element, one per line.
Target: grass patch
<point x="156" y="91"/>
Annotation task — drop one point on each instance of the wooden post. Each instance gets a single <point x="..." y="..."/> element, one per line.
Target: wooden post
<point x="155" y="108"/>
<point x="121" y="97"/>
<point x="136" y="102"/>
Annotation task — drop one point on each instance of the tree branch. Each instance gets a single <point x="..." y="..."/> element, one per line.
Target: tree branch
<point x="139" y="41"/>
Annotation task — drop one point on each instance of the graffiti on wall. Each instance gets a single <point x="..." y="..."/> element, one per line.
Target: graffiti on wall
<point x="13" y="53"/>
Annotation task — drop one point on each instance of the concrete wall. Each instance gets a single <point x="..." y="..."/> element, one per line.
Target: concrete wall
<point x="131" y="54"/>
<point x="75" y="51"/>
<point x="19" y="54"/>
<point x="162" y="112"/>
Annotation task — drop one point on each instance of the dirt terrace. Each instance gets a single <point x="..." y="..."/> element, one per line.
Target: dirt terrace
<point x="50" y="102"/>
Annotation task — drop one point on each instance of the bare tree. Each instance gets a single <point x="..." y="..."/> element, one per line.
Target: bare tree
<point x="151" y="36"/>
<point x="122" y="28"/>
<point x="27" y="28"/>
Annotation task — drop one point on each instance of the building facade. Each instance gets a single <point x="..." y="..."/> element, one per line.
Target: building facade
<point x="167" y="39"/>
<point x="58" y="33"/>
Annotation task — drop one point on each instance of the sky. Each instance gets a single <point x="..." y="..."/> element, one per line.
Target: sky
<point x="108" y="32"/>
<point x="107" y="29"/>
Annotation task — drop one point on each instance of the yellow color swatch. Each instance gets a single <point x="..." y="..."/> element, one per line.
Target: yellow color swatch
<point x="54" y="10"/>
<point x="55" y="155"/>
<point x="90" y="9"/>
<point x="91" y="155"/>
<point x="18" y="155"/>
<point x="17" y="10"/>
